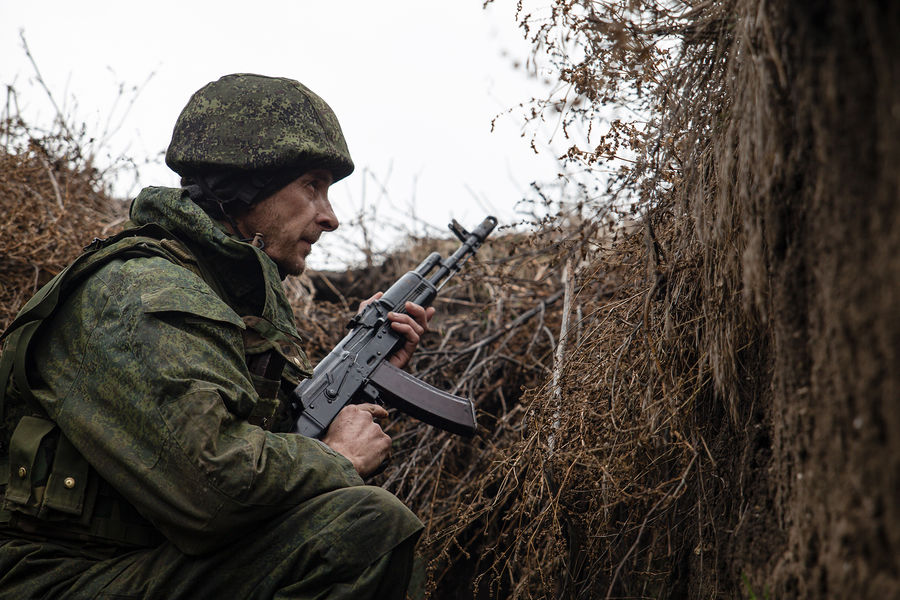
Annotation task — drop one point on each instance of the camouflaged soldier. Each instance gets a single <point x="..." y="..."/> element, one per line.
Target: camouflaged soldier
<point x="144" y="452"/>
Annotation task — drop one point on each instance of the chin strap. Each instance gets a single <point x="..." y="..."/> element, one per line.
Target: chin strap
<point x="257" y="238"/>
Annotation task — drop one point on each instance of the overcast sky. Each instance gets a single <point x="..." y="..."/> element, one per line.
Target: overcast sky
<point x="416" y="85"/>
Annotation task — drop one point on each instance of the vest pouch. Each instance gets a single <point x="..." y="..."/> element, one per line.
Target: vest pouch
<point x="31" y="449"/>
<point x="48" y="477"/>
<point x="68" y="481"/>
<point x="267" y="403"/>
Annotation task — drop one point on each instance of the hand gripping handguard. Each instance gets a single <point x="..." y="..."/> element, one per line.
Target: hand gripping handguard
<point x="357" y="369"/>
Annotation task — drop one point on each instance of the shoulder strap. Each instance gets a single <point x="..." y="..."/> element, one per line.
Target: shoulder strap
<point x="145" y="241"/>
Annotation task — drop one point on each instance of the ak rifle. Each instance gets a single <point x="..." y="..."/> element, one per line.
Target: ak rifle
<point x="357" y="369"/>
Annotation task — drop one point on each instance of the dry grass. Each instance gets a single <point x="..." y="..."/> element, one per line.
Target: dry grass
<point x="53" y="203"/>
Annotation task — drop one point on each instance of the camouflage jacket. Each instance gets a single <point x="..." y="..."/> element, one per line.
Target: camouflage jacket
<point x="144" y="370"/>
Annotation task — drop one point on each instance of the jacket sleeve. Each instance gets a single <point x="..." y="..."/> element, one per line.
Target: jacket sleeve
<point x="143" y="370"/>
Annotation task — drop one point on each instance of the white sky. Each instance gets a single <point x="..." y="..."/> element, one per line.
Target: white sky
<point x="415" y="84"/>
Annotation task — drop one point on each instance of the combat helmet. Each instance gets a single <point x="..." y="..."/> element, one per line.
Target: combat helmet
<point x="257" y="124"/>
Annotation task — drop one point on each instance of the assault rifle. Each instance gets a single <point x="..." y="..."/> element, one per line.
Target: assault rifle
<point x="357" y="370"/>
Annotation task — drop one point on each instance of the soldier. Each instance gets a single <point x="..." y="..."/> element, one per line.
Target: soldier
<point x="145" y="450"/>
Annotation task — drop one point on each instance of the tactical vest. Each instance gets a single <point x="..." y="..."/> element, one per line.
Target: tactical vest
<point x="48" y="488"/>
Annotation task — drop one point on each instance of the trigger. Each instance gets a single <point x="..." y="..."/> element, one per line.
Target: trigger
<point x="368" y="394"/>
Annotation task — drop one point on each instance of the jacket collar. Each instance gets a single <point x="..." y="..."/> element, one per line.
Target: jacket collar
<point x="246" y="274"/>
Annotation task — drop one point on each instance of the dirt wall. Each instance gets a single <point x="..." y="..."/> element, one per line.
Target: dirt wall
<point x="833" y="273"/>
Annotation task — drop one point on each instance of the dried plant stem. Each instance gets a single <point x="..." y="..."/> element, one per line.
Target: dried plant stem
<point x="555" y="388"/>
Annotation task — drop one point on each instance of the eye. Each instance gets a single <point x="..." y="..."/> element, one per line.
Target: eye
<point x="318" y="182"/>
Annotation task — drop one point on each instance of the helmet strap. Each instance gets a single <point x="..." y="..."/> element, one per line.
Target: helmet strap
<point x="256" y="240"/>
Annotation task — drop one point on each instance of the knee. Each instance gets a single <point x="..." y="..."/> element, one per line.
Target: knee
<point x="367" y="517"/>
<point x="377" y="507"/>
<point x="370" y="521"/>
<point x="346" y="530"/>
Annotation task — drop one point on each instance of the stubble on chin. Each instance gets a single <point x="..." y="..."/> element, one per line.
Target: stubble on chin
<point x="298" y="263"/>
<point x="296" y="270"/>
<point x="294" y="263"/>
<point x="295" y="266"/>
<point x="290" y="265"/>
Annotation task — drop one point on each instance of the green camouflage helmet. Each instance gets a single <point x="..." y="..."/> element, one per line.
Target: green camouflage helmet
<point x="257" y="123"/>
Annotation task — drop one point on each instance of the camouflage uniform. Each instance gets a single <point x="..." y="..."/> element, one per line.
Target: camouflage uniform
<point x="185" y="482"/>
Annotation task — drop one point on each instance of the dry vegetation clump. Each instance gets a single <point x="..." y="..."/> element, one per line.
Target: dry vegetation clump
<point x="53" y="203"/>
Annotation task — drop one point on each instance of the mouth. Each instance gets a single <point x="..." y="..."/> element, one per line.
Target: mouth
<point x="307" y="243"/>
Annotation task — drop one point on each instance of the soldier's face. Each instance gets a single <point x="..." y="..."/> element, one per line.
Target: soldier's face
<point x="292" y="219"/>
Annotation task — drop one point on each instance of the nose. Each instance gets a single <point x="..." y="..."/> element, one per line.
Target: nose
<point x="325" y="217"/>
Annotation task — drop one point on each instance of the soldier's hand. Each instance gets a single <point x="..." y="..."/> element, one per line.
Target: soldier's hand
<point x="355" y="434"/>
<point x="412" y="324"/>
